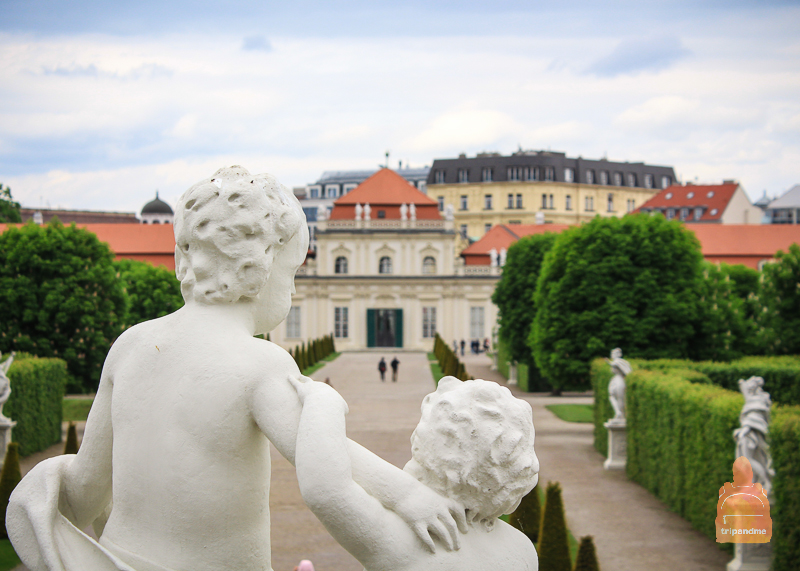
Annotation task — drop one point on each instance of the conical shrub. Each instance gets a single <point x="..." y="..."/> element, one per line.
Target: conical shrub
<point x="553" y="542"/>
<point x="528" y="516"/>
<point x="71" y="447"/>
<point x="587" y="556"/>
<point x="9" y="478"/>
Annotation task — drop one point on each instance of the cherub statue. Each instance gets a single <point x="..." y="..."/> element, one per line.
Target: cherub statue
<point x="616" y="387"/>
<point x="403" y="212"/>
<point x="359" y="210"/>
<point x="493" y="257"/>
<point x="367" y="211"/>
<point x="474" y="445"/>
<point x="412" y="211"/>
<point x="5" y="385"/>
<point x="194" y="400"/>
<point x="751" y="438"/>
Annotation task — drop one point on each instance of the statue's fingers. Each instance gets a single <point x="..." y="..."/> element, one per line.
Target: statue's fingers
<point x="460" y="516"/>
<point x="422" y="532"/>
<point x="444" y="534"/>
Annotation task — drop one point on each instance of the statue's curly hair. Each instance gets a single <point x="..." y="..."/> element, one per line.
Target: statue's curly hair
<point x="228" y="230"/>
<point x="475" y="445"/>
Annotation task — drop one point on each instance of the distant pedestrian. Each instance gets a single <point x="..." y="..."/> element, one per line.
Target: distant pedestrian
<point x="382" y="368"/>
<point x="395" y="363"/>
<point x="328" y="381"/>
<point x="486" y="345"/>
<point x="463" y="344"/>
<point x="455" y="346"/>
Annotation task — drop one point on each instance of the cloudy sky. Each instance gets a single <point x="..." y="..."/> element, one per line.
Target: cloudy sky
<point x="103" y="103"/>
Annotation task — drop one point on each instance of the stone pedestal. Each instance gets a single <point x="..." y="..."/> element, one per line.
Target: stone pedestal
<point x="5" y="436"/>
<point x="512" y="374"/>
<point x="617" y="445"/>
<point x="751" y="557"/>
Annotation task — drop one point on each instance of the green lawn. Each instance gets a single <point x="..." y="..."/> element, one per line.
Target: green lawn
<point x="8" y="557"/>
<point x="321" y="364"/>
<point x="573" y="412"/>
<point x="76" y="409"/>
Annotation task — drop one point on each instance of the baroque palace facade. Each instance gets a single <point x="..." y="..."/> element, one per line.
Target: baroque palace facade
<point x="387" y="274"/>
<point x="537" y="187"/>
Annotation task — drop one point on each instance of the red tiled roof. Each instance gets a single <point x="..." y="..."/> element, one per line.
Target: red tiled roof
<point x="691" y="196"/>
<point x="385" y="191"/>
<point x="503" y="235"/>
<point x="758" y="240"/>
<point x="385" y="187"/>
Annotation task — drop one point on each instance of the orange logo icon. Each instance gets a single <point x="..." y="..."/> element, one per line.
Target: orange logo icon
<point x="743" y="508"/>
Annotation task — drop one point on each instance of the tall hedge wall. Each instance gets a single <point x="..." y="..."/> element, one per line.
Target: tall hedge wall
<point x="36" y="401"/>
<point x="680" y="441"/>
<point x="784" y="435"/>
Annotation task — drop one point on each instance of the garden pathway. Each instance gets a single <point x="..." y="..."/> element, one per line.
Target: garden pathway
<point x="633" y="531"/>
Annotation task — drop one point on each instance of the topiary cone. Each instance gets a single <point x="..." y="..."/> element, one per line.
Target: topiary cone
<point x="71" y="447"/>
<point x="9" y="478"/>
<point x="587" y="557"/>
<point x="553" y="542"/>
<point x="528" y="516"/>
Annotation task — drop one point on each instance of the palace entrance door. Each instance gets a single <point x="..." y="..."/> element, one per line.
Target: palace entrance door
<point x="384" y="328"/>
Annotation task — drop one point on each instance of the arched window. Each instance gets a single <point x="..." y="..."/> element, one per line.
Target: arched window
<point x="341" y="265"/>
<point x="385" y="266"/>
<point x="429" y="266"/>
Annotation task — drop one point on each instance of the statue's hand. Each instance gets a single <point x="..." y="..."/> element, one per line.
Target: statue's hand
<point x="309" y="389"/>
<point x="429" y="514"/>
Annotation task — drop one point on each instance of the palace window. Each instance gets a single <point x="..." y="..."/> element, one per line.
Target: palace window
<point x="530" y="173"/>
<point x="438" y="177"/>
<point x="610" y="202"/>
<point x="631" y="179"/>
<point x="544" y="202"/>
<point x="568" y="202"/>
<point x="429" y="266"/>
<point x="463" y="230"/>
<point x="428" y="322"/>
<point x="486" y="174"/>
<point x="440" y="202"/>
<point x="487" y="202"/>
<point x="510" y="201"/>
<point x="631" y="203"/>
<point x="332" y="190"/>
<point x="617" y="179"/>
<point x="552" y="204"/>
<point x="590" y="177"/>
<point x="293" y="323"/>
<point x="486" y="228"/>
<point x="513" y="173"/>
<point x="463" y="175"/>
<point x="665" y="181"/>
<point x="385" y="265"/>
<point x="569" y="174"/>
<point x="588" y="204"/>
<point x="648" y="181"/>
<point x="462" y="203"/>
<point x="549" y="174"/>
<point x="340" y="267"/>
<point x="519" y="201"/>
<point x="340" y="324"/>
<point x="604" y="178"/>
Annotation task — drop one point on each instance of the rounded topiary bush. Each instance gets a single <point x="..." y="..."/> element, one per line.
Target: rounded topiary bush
<point x="553" y="542"/>
<point x="587" y="557"/>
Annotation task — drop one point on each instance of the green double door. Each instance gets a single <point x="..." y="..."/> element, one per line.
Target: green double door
<point x="384" y="328"/>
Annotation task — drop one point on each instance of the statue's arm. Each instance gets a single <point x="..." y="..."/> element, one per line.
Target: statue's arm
<point x="86" y="488"/>
<point x="276" y="409"/>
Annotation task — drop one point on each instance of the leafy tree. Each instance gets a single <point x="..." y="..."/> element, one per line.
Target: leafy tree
<point x="629" y="282"/>
<point x="152" y="291"/>
<point x="60" y="297"/>
<point x="514" y="295"/>
<point x="553" y="542"/>
<point x="722" y="332"/>
<point x="9" y="210"/>
<point x="780" y="297"/>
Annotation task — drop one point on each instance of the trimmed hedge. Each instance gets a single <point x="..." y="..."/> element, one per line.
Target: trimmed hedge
<point x="680" y="441"/>
<point x="784" y="435"/>
<point x="36" y="401"/>
<point x="449" y="363"/>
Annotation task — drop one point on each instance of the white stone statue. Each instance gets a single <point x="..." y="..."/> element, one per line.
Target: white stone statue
<point x="493" y="257"/>
<point x="322" y="213"/>
<point x="194" y="400"/>
<point x="448" y="212"/>
<point x="412" y="211"/>
<point x="403" y="212"/>
<point x="616" y="387"/>
<point x="5" y="386"/>
<point x="751" y="437"/>
<point x="367" y="211"/>
<point x="503" y="253"/>
<point x="359" y="210"/>
<point x="474" y="445"/>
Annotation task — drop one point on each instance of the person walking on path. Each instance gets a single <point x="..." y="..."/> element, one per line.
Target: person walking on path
<point x="395" y="363"/>
<point x="382" y="368"/>
<point x="463" y="344"/>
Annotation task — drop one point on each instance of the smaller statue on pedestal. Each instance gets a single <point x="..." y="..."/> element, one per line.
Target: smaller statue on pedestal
<point x="367" y="211"/>
<point x="751" y="438"/>
<point x="412" y="211"/>
<point x="616" y="388"/>
<point x="403" y="212"/>
<point x="493" y="257"/>
<point x="359" y="210"/>
<point x="5" y="386"/>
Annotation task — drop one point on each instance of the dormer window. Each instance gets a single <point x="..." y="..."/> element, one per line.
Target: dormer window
<point x="549" y="174"/>
<point x="665" y="182"/>
<point x="648" y="181"/>
<point x="698" y="213"/>
<point x="668" y="196"/>
<point x="463" y="175"/>
<point x="590" y="177"/>
<point x="438" y="177"/>
<point x="381" y="214"/>
<point x="617" y="179"/>
<point x="569" y="175"/>
<point x="710" y="194"/>
<point x="604" y="178"/>
<point x="690" y="195"/>
<point x="486" y="174"/>
<point x="631" y="179"/>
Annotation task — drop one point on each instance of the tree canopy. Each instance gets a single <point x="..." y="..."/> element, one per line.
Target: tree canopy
<point x="513" y="294"/>
<point x="780" y="298"/>
<point x="60" y="297"/>
<point x="152" y="291"/>
<point x="9" y="210"/>
<point x="629" y="282"/>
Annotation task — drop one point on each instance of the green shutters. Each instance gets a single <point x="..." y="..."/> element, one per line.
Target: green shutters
<point x="371" y="319"/>
<point x="398" y="330"/>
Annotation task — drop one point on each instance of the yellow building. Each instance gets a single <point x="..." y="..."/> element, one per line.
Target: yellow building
<point x="530" y="187"/>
